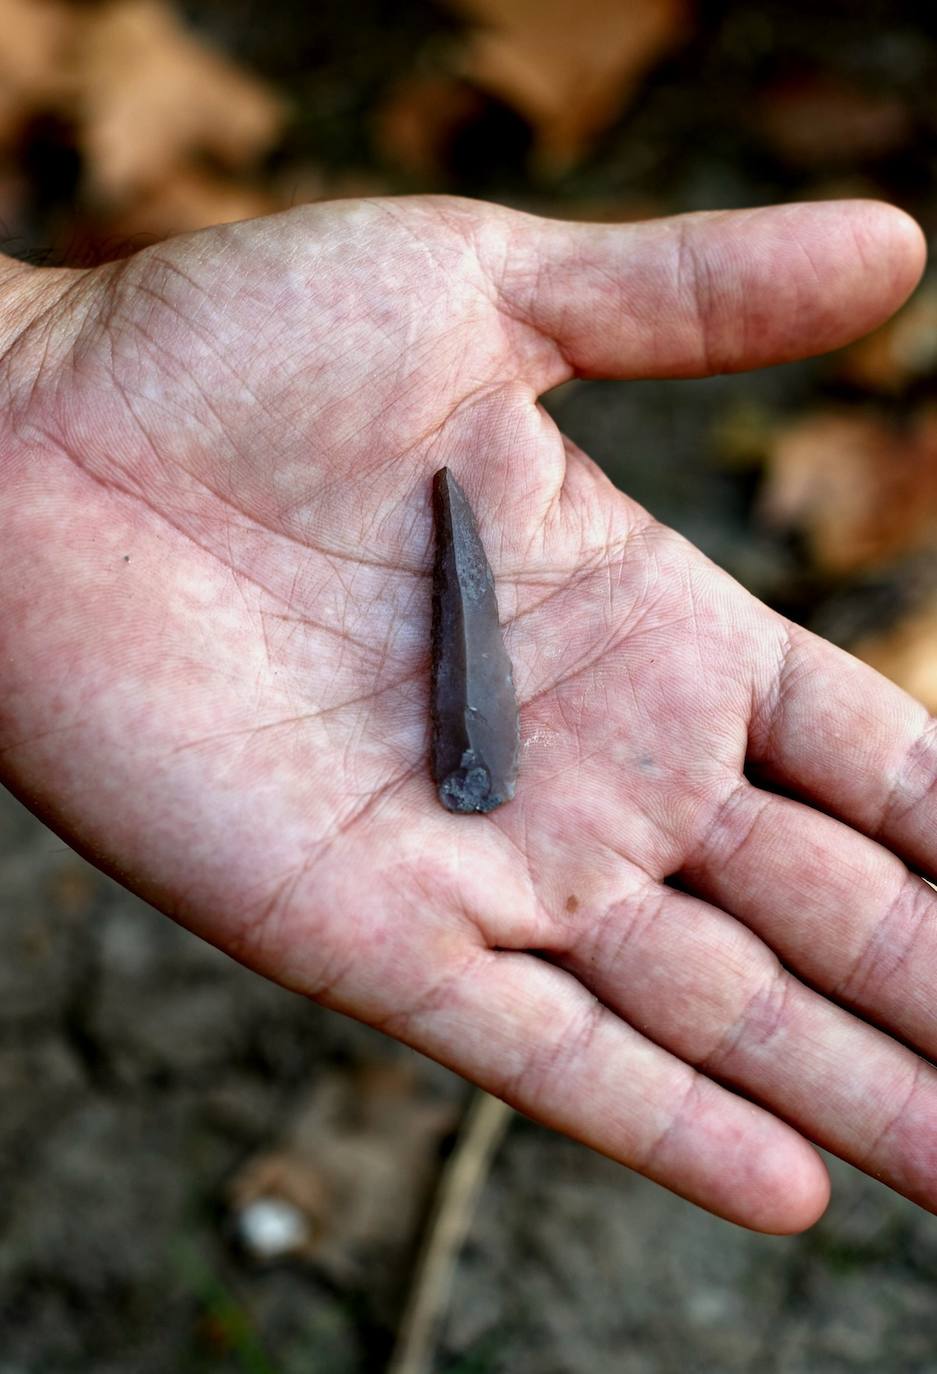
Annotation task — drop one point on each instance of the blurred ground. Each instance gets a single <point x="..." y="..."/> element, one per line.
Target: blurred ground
<point x="148" y="1084"/>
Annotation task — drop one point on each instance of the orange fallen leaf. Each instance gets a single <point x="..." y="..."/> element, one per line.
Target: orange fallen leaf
<point x="861" y="491"/>
<point x="35" y="36"/>
<point x="146" y="95"/>
<point x="190" y="198"/>
<point x="907" y="653"/>
<point x="900" y="351"/>
<point x="569" y="70"/>
<point x="194" y="198"/>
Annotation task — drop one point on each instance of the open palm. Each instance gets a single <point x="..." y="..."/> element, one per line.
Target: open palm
<point x="214" y="672"/>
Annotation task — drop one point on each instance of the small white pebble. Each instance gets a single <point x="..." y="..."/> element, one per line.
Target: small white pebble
<point x="271" y="1227"/>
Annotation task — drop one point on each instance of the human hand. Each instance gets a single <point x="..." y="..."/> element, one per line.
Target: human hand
<point x="214" y="677"/>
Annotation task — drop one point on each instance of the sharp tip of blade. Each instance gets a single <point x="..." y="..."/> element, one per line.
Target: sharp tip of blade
<point x="445" y="481"/>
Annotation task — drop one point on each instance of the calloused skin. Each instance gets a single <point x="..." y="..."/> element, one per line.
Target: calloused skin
<point x="214" y="621"/>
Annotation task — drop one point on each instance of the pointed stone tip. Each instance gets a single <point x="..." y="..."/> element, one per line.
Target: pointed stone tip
<point x="444" y="484"/>
<point x="474" y="709"/>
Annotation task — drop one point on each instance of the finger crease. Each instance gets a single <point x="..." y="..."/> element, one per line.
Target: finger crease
<point x="916" y="780"/>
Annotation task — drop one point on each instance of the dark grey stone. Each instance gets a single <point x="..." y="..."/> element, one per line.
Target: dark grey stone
<point x="475" y="723"/>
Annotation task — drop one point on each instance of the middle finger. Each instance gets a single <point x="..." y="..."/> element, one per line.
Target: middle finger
<point x="838" y="908"/>
<point x="700" y="984"/>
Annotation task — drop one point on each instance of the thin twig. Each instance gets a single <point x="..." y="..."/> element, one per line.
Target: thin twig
<point x="459" y="1189"/>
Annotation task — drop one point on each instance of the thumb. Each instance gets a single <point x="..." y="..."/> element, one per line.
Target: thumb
<point x="713" y="292"/>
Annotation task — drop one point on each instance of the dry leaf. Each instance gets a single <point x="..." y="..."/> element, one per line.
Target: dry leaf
<point x="568" y="70"/>
<point x="815" y="120"/>
<point x="860" y="491"/>
<point x="193" y="198"/>
<point x="188" y="199"/>
<point x="907" y="653"/>
<point x="146" y="95"/>
<point x="36" y="34"/>
<point x="900" y="351"/>
<point x="303" y="183"/>
<point x="349" y="1180"/>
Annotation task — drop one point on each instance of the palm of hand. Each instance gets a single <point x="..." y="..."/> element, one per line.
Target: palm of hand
<point x="222" y="686"/>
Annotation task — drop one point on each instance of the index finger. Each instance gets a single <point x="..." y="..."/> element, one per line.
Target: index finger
<point x="837" y="733"/>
